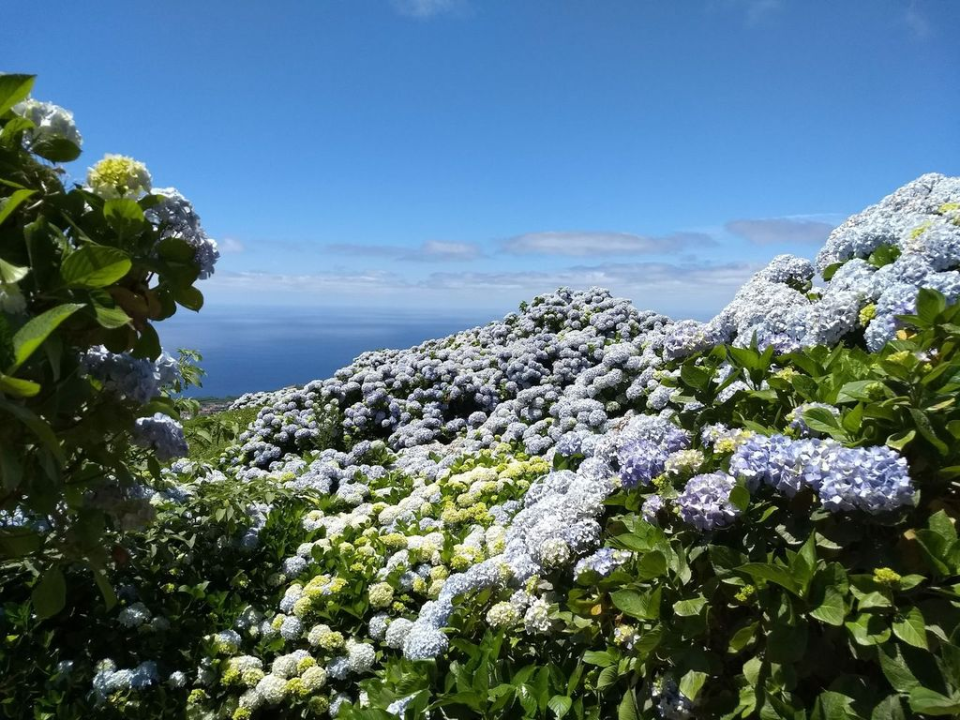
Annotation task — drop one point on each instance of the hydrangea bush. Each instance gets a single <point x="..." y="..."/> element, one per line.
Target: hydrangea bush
<point x="582" y="510"/>
<point x="87" y="412"/>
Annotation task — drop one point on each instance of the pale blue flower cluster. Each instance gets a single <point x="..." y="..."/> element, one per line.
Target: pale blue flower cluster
<point x="175" y="217"/>
<point x="872" y="479"/>
<point x="50" y="122"/>
<point x="644" y="447"/>
<point x="705" y="501"/>
<point x="161" y="434"/>
<point x="603" y="562"/>
<point x="127" y="377"/>
<point x="108" y="679"/>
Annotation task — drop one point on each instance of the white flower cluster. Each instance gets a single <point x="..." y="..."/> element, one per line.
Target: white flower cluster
<point x="50" y="122"/>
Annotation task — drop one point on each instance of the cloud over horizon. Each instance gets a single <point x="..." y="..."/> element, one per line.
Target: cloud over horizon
<point x="582" y="244"/>
<point x="429" y="251"/>
<point x="775" y="231"/>
<point x="427" y="8"/>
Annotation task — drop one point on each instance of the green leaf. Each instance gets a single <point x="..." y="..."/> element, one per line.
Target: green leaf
<point x="189" y="297"/>
<point x="772" y="573"/>
<point x="888" y="709"/>
<point x="9" y="204"/>
<point x="28" y="338"/>
<point x="691" y="683"/>
<point x="831" y="270"/>
<point x="627" y="709"/>
<point x="930" y="304"/>
<point x="884" y="255"/>
<point x="689" y="608"/>
<point x="895" y="669"/>
<point x="926" y="429"/>
<point x="18" y="542"/>
<point x="607" y="677"/>
<point x="560" y="705"/>
<point x="740" y="497"/>
<point x="10" y="273"/>
<point x="125" y="216"/>
<point x="868" y="629"/>
<point x="912" y="628"/>
<point x="110" y="317"/>
<point x="95" y="266"/>
<point x="822" y="420"/>
<point x="38" y="426"/>
<point x="600" y="658"/>
<point x="176" y="250"/>
<point x="645" y="606"/>
<point x="13" y="89"/>
<point x="930" y="702"/>
<point x="652" y="565"/>
<point x="742" y="637"/>
<point x="55" y="149"/>
<point x="831" y="609"/>
<point x="695" y="377"/>
<point x="15" y="387"/>
<point x="50" y="594"/>
<point x="899" y="440"/>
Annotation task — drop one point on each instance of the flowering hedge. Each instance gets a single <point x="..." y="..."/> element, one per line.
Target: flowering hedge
<point x="86" y="271"/>
<point x="580" y="511"/>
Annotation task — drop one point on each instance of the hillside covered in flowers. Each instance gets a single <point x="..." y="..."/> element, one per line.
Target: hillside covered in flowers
<point x="583" y="510"/>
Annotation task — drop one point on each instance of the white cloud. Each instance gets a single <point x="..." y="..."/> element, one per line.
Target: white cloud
<point x="430" y="251"/>
<point x="427" y="8"/>
<point x="680" y="290"/>
<point x="773" y="231"/>
<point x="229" y="246"/>
<point x="585" y="244"/>
<point x="917" y="22"/>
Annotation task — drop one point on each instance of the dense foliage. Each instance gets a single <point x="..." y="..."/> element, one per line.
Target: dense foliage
<point x="86" y="271"/>
<point x="581" y="511"/>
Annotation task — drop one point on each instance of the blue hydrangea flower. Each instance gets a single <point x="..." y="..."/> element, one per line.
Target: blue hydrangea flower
<point x="705" y="501"/>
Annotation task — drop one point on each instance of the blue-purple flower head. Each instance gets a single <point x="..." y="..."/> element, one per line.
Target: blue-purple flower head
<point x="873" y="479"/>
<point x="603" y="562"/>
<point x="705" y="501"/>
<point x="647" y="442"/>
<point x="161" y="434"/>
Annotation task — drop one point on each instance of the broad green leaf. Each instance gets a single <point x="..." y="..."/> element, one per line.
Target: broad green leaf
<point x="607" y="677"/>
<point x="37" y="426"/>
<point x="868" y="629"/>
<point x="10" y="273"/>
<point x="111" y="317"/>
<point x="600" y="658"/>
<point x="50" y="593"/>
<point x="772" y="573"/>
<point x="14" y="88"/>
<point x="695" y="377"/>
<point x="831" y="609"/>
<point x="651" y="565"/>
<point x="929" y="702"/>
<point x="926" y="429"/>
<point x="742" y="637"/>
<point x="16" y="387"/>
<point x="930" y="304"/>
<point x="560" y="705"/>
<point x="17" y="542"/>
<point x="740" y="497"/>
<point x="95" y="266"/>
<point x="899" y="440"/>
<point x="125" y="216"/>
<point x="28" y="338"/>
<point x="912" y="628"/>
<point x="627" y="710"/>
<point x="689" y="608"/>
<point x="645" y="606"/>
<point x="691" y="683"/>
<point x="9" y="204"/>
<point x="190" y="298"/>
<point x="55" y="149"/>
<point x="889" y="709"/>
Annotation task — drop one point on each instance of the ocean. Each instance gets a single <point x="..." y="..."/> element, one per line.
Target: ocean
<point x="247" y="349"/>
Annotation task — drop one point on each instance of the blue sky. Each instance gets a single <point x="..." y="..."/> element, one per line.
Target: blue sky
<point x="468" y="154"/>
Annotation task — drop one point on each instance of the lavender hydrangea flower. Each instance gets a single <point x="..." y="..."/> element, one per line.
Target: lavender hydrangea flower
<point x="161" y="434"/>
<point x="705" y="501"/>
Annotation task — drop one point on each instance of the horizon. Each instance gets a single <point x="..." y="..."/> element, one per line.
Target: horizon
<point x="424" y="153"/>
